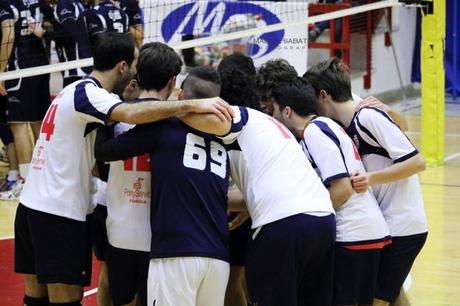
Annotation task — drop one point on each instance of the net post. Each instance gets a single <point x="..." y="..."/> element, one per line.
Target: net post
<point x="433" y="83"/>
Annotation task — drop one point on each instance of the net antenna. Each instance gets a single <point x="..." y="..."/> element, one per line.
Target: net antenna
<point x="217" y="38"/>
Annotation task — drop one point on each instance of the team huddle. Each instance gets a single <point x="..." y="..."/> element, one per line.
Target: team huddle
<point x="256" y="187"/>
<point x="345" y="234"/>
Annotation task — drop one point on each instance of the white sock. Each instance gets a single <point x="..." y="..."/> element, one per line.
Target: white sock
<point x="24" y="170"/>
<point x="13" y="175"/>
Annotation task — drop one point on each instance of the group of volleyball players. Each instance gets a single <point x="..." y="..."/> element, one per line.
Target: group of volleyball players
<point x="330" y="186"/>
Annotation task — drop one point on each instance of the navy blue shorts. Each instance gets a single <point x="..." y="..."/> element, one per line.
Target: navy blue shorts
<point x="238" y="242"/>
<point x="56" y="249"/>
<point x="291" y="262"/>
<point x="3" y="101"/>
<point x="128" y="271"/>
<point x="355" y="275"/>
<point x="395" y="264"/>
<point x="29" y="100"/>
<point x="99" y="233"/>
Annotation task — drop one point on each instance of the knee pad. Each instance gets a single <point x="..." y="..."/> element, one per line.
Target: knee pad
<point x="31" y="301"/>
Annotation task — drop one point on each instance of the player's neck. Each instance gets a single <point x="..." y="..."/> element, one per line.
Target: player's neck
<point x="344" y="112"/>
<point x="105" y="79"/>
<point x="300" y="123"/>
<point x="160" y="95"/>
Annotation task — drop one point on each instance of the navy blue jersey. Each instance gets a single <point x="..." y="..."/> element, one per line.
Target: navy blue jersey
<point x="29" y="50"/>
<point x="71" y="16"/>
<point x="134" y="12"/>
<point x="189" y="182"/>
<point x="106" y="17"/>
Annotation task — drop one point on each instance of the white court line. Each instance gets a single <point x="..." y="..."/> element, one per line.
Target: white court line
<point x="90" y="292"/>
<point x="451" y="157"/>
<point x="7" y="238"/>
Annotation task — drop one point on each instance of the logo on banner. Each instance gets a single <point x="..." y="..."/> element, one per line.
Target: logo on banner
<point x="213" y="17"/>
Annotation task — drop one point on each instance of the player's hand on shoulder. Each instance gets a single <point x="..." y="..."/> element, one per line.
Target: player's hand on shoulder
<point x="360" y="181"/>
<point x="131" y="91"/>
<point x="371" y="102"/>
<point x="216" y="106"/>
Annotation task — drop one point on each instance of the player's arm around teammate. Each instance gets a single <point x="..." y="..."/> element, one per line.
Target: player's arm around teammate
<point x="395" y="172"/>
<point x="397" y="117"/>
<point x="62" y="265"/>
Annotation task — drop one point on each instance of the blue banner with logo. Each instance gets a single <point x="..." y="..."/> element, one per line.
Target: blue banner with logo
<point x="452" y="52"/>
<point x="196" y="19"/>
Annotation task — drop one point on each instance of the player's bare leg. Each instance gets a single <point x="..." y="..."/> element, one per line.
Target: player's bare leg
<point x="12" y="158"/>
<point x="236" y="289"/>
<point x="33" y="288"/>
<point x="36" y="129"/>
<point x="64" y="293"/>
<point x="24" y="146"/>
<point x="35" y="293"/>
<point x="103" y="294"/>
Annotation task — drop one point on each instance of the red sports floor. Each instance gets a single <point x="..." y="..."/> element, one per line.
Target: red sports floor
<point x="12" y="287"/>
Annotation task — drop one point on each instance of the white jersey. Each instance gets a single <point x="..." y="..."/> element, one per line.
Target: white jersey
<point x="360" y="223"/>
<point x="269" y="167"/>
<point x="381" y="143"/>
<point x="128" y="201"/>
<point x="101" y="193"/>
<point x="58" y="182"/>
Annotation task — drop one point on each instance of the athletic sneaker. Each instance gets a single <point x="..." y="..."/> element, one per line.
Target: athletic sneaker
<point x="12" y="194"/>
<point x="7" y="184"/>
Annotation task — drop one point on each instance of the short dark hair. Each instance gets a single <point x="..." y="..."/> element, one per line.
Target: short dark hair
<point x="333" y="76"/>
<point x="202" y="82"/>
<point x="298" y="95"/>
<point x="111" y="48"/>
<point x="237" y="72"/>
<point x="157" y="64"/>
<point x="273" y="73"/>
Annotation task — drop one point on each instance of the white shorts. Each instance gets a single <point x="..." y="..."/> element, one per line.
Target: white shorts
<point x="187" y="281"/>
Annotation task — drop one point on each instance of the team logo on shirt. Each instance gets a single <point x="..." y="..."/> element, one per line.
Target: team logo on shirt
<point x="37" y="161"/>
<point x="3" y="13"/>
<point x="92" y="26"/>
<point x="13" y="99"/>
<point x="137" y="195"/>
<point x="65" y="12"/>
